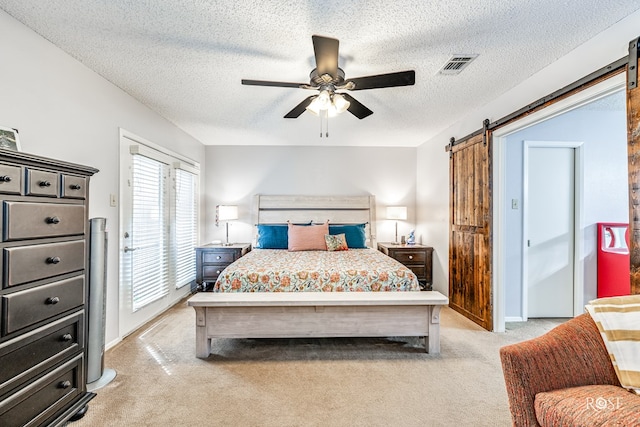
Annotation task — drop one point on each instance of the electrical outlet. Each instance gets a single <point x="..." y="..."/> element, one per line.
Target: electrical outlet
<point x="514" y="203"/>
<point x="112" y="200"/>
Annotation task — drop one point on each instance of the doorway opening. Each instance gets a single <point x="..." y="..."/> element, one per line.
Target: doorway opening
<point x="595" y="116"/>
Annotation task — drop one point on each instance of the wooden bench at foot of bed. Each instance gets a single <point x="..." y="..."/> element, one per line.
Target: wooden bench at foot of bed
<point x="317" y="314"/>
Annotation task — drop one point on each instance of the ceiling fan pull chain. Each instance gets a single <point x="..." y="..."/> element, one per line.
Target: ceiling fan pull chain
<point x="327" y="132"/>
<point x="320" y="124"/>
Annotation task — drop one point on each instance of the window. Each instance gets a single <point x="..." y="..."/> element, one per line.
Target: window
<point x="186" y="225"/>
<point x="150" y="249"/>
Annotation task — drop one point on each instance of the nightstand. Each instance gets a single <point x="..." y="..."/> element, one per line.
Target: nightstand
<point x="212" y="259"/>
<point x="418" y="258"/>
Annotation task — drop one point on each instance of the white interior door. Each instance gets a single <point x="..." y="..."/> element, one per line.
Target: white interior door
<point x="550" y="232"/>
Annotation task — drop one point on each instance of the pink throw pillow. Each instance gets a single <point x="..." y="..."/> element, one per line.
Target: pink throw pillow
<point x="308" y="237"/>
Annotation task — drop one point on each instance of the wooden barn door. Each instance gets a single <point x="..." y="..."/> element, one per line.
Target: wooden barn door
<point x="633" y="134"/>
<point x="470" y="230"/>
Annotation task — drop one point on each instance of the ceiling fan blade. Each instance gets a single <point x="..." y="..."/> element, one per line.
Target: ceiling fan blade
<point x="401" y="78"/>
<point x="300" y="108"/>
<point x="326" y="50"/>
<point x="356" y="108"/>
<point x="270" y="83"/>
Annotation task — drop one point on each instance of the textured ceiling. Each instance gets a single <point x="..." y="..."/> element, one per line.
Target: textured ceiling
<point x="185" y="58"/>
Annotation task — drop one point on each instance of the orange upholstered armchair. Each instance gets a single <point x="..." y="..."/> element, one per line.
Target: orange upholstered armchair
<point x="564" y="378"/>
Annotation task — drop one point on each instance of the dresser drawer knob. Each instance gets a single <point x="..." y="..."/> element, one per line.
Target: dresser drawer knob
<point x="410" y="256"/>
<point x="65" y="384"/>
<point x="52" y="220"/>
<point x="5" y="178"/>
<point x="53" y="260"/>
<point x="75" y="186"/>
<point x="44" y="184"/>
<point x="218" y="271"/>
<point x="67" y="337"/>
<point x="52" y="300"/>
<point x="218" y="257"/>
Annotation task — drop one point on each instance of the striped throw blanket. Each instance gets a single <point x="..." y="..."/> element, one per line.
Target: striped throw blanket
<point x="618" y="319"/>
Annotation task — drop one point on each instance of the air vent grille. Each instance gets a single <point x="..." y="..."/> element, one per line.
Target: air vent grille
<point x="457" y="63"/>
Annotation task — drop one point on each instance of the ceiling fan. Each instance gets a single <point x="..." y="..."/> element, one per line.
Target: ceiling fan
<point x="327" y="78"/>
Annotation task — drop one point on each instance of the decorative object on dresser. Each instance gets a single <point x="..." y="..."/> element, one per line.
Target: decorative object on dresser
<point x="213" y="258"/>
<point x="9" y="139"/>
<point x="43" y="331"/>
<point x="418" y="258"/>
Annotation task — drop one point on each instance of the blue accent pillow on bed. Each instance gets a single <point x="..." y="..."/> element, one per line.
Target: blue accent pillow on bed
<point x="354" y="234"/>
<point x="274" y="236"/>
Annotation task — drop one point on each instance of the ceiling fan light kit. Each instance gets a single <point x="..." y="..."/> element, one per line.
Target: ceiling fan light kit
<point x="327" y="78"/>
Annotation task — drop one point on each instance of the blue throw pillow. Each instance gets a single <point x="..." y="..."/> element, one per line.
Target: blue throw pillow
<point x="273" y="236"/>
<point x="354" y="234"/>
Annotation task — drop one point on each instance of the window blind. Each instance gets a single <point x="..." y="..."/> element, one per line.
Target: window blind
<point x="149" y="232"/>
<point x="185" y="227"/>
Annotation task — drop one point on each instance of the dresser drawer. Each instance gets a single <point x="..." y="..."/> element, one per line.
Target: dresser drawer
<point x="44" y="397"/>
<point x="24" y="308"/>
<point x="74" y="187"/>
<point x="222" y="257"/>
<point x="22" y="359"/>
<point x="25" y="264"/>
<point x="24" y="220"/>
<point x="10" y="179"/>
<point x="42" y="183"/>
<point x="407" y="257"/>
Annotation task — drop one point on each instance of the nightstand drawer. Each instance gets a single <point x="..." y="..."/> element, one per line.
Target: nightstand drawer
<point x="419" y="270"/>
<point x="211" y="272"/>
<point x="226" y="257"/>
<point x="408" y="257"/>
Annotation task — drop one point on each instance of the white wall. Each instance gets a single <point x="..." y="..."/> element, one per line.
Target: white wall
<point x="433" y="162"/>
<point x="65" y="111"/>
<point x="235" y="173"/>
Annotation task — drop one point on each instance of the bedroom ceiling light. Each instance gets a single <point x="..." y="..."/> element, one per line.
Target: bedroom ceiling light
<point x="333" y="104"/>
<point x="327" y="104"/>
<point x="397" y="213"/>
<point x="226" y="213"/>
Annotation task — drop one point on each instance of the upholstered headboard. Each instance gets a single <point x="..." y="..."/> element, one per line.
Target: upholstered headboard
<point x="274" y="209"/>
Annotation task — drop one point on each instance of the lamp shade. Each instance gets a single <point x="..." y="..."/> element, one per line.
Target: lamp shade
<point x="397" y="212"/>
<point x="227" y="212"/>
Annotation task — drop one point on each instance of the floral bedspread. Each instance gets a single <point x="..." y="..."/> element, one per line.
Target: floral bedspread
<point x="278" y="270"/>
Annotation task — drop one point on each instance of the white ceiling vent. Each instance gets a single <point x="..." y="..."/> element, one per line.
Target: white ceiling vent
<point x="457" y="63"/>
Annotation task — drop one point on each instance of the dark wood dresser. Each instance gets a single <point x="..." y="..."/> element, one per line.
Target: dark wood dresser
<point x="212" y="259"/>
<point x="43" y="327"/>
<point x="418" y="258"/>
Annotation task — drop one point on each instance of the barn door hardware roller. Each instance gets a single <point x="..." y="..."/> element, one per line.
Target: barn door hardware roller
<point x="632" y="72"/>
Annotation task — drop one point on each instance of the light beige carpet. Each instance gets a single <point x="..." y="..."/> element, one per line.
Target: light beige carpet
<point x="306" y="382"/>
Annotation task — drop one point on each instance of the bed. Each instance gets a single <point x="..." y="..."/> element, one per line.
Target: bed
<point x="278" y="270"/>
<point x="276" y="291"/>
